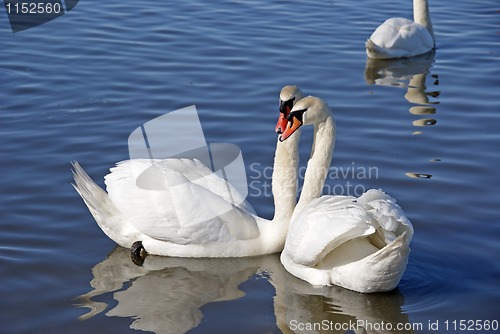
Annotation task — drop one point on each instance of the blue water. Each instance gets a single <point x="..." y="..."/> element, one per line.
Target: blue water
<point x="76" y="87"/>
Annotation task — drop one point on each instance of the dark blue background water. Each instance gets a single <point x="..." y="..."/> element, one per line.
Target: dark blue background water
<point x="75" y="88"/>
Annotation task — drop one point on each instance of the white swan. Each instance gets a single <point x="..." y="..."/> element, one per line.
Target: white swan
<point x="400" y="38"/>
<point x="358" y="243"/>
<point x="166" y="221"/>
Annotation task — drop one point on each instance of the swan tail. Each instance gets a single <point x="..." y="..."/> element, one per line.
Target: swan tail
<point x="105" y="213"/>
<point x="376" y="52"/>
<point x="373" y="50"/>
<point x="96" y="199"/>
<point x="379" y="272"/>
<point x="386" y="267"/>
<point x="370" y="45"/>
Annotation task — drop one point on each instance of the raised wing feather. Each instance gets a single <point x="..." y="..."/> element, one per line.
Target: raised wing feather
<point x="326" y="223"/>
<point x="179" y="200"/>
<point x="387" y="213"/>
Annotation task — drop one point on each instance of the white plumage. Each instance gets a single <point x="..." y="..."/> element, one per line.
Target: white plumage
<point x="175" y="216"/>
<point x="361" y="244"/>
<point x="179" y="207"/>
<point x="400" y="37"/>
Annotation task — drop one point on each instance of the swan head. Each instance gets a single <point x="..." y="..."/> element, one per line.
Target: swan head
<point x="289" y="95"/>
<point x="309" y="110"/>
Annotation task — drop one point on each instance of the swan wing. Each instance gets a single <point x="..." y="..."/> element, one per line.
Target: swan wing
<point x="376" y="271"/>
<point x="180" y="201"/>
<point x="387" y="215"/>
<point x="399" y="37"/>
<point x="323" y="225"/>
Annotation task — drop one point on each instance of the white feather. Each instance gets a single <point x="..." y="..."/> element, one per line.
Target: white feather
<point x="361" y="243"/>
<point x="401" y="38"/>
<point x="179" y="207"/>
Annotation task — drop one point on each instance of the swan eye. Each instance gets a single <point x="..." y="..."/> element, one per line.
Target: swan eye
<point x="286" y="106"/>
<point x="296" y="114"/>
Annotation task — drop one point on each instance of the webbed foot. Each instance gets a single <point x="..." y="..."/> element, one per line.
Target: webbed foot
<point x="138" y="253"/>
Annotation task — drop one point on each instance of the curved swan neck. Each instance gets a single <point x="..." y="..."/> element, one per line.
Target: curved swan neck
<point x="422" y="16"/>
<point x="284" y="182"/>
<point x="319" y="162"/>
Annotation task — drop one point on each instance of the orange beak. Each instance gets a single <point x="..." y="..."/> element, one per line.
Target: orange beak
<point x="282" y="122"/>
<point x="292" y="126"/>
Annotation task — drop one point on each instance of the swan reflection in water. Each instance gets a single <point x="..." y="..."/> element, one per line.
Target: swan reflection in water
<point x="411" y="74"/>
<point x="166" y="295"/>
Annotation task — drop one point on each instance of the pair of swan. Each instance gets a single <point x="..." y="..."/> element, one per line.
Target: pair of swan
<point x="357" y="243"/>
<point x="401" y="38"/>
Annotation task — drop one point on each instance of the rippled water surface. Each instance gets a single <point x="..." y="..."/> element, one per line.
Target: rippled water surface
<point x="426" y="128"/>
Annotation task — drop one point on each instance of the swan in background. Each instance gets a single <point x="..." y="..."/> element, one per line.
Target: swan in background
<point x="171" y="221"/>
<point x="400" y="37"/>
<point x="361" y="244"/>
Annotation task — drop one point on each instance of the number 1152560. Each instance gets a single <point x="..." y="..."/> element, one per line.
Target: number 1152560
<point x="33" y="8"/>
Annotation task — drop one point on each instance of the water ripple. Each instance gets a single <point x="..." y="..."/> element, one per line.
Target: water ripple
<point x="74" y="89"/>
